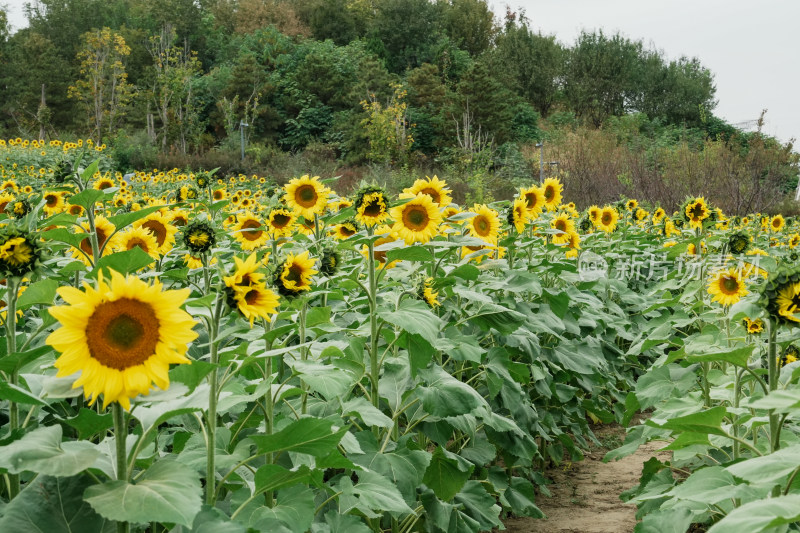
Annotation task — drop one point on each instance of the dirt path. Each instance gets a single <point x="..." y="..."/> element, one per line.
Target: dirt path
<point x="585" y="495"/>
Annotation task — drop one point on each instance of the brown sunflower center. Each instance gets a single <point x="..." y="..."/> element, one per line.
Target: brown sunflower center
<point x="415" y="218"/>
<point x="51" y="200"/>
<point x="561" y="225"/>
<point x="606" y="219"/>
<point x="433" y="193"/>
<point x="180" y="220"/>
<point x="280" y="220"/>
<point x="249" y="229"/>
<point x="347" y="231"/>
<point x="137" y="242"/>
<point x="549" y="193"/>
<point x="697" y="211"/>
<point x="373" y="208"/>
<point x="306" y="196"/>
<point x="295" y="273"/>
<point x="251" y="297"/>
<point x="531" y="200"/>
<point x="482" y="226"/>
<point x="104" y="185"/>
<point x="729" y="285"/>
<point x="122" y="333"/>
<point x="157" y="229"/>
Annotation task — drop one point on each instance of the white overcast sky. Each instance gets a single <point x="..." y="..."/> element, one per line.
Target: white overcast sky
<point x="752" y="47"/>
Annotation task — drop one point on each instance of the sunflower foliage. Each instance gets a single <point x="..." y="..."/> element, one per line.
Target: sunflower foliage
<point x="289" y="359"/>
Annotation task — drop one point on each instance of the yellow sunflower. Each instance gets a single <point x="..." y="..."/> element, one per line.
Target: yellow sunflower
<point x="417" y="220"/>
<point x="306" y="196"/>
<point x="594" y="214"/>
<point x="794" y="240"/>
<point x="777" y="223"/>
<point x="371" y="208"/>
<point x="552" y="189"/>
<point x="245" y="274"/>
<point x="345" y="230"/>
<point x="137" y="237"/>
<point x="386" y="235"/>
<point x="470" y="253"/>
<point x="659" y="215"/>
<point x="433" y="187"/>
<point x="485" y="224"/>
<point x="280" y="222"/>
<point x="105" y="230"/>
<point x="248" y="231"/>
<point x="430" y="296"/>
<point x="696" y="212"/>
<point x="754" y="327"/>
<point x="53" y="202"/>
<point x="565" y="225"/>
<point x="631" y="204"/>
<point x="121" y="337"/>
<point x="608" y="219"/>
<point x="159" y="226"/>
<point x="179" y="217"/>
<point x="103" y="183"/>
<point x="255" y="301"/>
<point x="518" y="214"/>
<point x="294" y="275"/>
<point x="788" y="302"/>
<point x="727" y="287"/>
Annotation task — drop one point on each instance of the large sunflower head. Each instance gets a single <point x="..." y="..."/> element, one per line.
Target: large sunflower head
<point x="199" y="237"/>
<point x="121" y="336"/>
<point x="781" y="295"/>
<point x="435" y="188"/>
<point x="245" y="273"/>
<point x="417" y="220"/>
<point x="485" y="224"/>
<point x="565" y="225"/>
<point x="255" y="301"/>
<point x="518" y="214"/>
<point x="19" y="252"/>
<point x="727" y="287"/>
<point x="159" y="227"/>
<point x="249" y="231"/>
<point x="552" y="189"/>
<point x="293" y="276"/>
<point x="137" y="237"/>
<point x="371" y="206"/>
<point x="306" y="196"/>
<point x="607" y="221"/>
<point x="53" y="202"/>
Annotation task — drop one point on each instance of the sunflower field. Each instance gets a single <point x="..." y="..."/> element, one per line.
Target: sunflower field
<point x="193" y="352"/>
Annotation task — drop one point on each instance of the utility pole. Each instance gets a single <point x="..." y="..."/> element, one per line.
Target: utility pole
<point x="242" y="126"/>
<point x="540" y="146"/>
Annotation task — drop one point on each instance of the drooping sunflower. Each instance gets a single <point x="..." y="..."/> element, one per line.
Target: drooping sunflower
<point x="280" y="222"/>
<point x="794" y="240"/>
<point x="727" y="287"/>
<point x="345" y="230"/>
<point x="417" y="220"/>
<point x="248" y="231"/>
<point x="199" y="237"/>
<point x="608" y="219"/>
<point x="158" y="225"/>
<point x="552" y="189"/>
<point x="371" y="207"/>
<point x="137" y="237"/>
<point x="121" y="336"/>
<point x="777" y="223"/>
<point x="294" y="275"/>
<point x="19" y="207"/>
<point x="518" y="214"/>
<point x="19" y="252"/>
<point x="754" y="327"/>
<point x="433" y="187"/>
<point x="329" y="262"/>
<point x="306" y="196"/>
<point x="485" y="224"/>
<point x="789" y="355"/>
<point x="696" y="211"/>
<point x="565" y="225"/>
<point x="245" y="273"/>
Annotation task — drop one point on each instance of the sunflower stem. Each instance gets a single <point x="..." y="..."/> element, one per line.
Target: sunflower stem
<point x="213" y="393"/>
<point x="11" y="347"/>
<point x="120" y="436"/>
<point x="269" y="404"/>
<point x="303" y="353"/>
<point x="374" y="371"/>
<point x="772" y="360"/>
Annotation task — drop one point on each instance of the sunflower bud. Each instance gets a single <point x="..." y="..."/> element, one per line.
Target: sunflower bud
<point x="199" y="237"/>
<point x="19" y="253"/>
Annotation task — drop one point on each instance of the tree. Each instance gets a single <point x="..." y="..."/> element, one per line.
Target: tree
<point x="484" y="103"/>
<point x="103" y="88"/>
<point x="470" y="24"/>
<point x="404" y="32"/>
<point x="387" y="127"/>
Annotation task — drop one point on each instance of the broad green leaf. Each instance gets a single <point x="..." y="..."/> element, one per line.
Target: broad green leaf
<point x="294" y="509"/>
<point x="120" y="221"/>
<point x="479" y="505"/>
<point x="191" y="375"/>
<point x="318" y="315"/>
<point x="445" y="476"/>
<point x="769" y="469"/>
<point x="376" y="493"/>
<point x="708" y="422"/>
<point x="88" y="422"/>
<point x="41" y="292"/>
<point x="446" y="396"/>
<point x="161" y="411"/>
<point x="124" y="262"/>
<point x="521" y="498"/>
<point x="420" y="351"/>
<point x="327" y="380"/>
<point x="64" y="235"/>
<point x="699" y="354"/>
<point x="313" y="436"/>
<point x="54" y="505"/>
<point x="783" y="401"/>
<point x="15" y="361"/>
<point x="212" y="520"/>
<point x="167" y="492"/>
<point x="711" y="485"/>
<point x="15" y="393"/>
<point x="345" y="523"/>
<point x="42" y="451"/>
<point x="760" y="515"/>
<point x="86" y="198"/>
<point x="665" y="521"/>
<point x="414" y="316"/>
<point x="368" y="412"/>
<point x="273" y="477"/>
<point x="410" y="253"/>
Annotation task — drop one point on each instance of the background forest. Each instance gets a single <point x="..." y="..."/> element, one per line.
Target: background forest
<point x="382" y="90"/>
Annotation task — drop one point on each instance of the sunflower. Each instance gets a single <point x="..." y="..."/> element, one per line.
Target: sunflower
<point x="53" y="202"/>
<point x="103" y="184"/>
<point x="658" y="215"/>
<point x="329" y="262"/>
<point x="280" y="222"/>
<point x="219" y="194"/>
<point x="696" y="211"/>
<point x="727" y="287"/>
<point x="518" y="214"/>
<point x="794" y="240"/>
<point x="435" y="188"/>
<point x="594" y="214"/>
<point x="631" y="204"/>
<point x="104" y="230"/>
<point x="565" y="225"/>
<point x="426" y="293"/>
<point x="192" y="262"/>
<point x="552" y="188"/>
<point x="738" y="243"/>
<point x="641" y="214"/>
<point x="19" y="253"/>
<point x="5" y="199"/>
<point x="608" y="219"/>
<point x="754" y="327"/>
<point x="777" y="223"/>
<point x="371" y="207"/>
<point x="256" y="301"/>
<point x="294" y="274"/>
<point x="19" y="207"/>
<point x="137" y="237"/>
<point x="248" y="231"/>
<point x="790" y="355"/>
<point x="158" y="225"/>
<point x="245" y="273"/>
<point x="339" y="204"/>
<point x="471" y="253"/>
<point x="306" y="196"/>
<point x="179" y="218"/>
<point x="386" y="235"/>
<point x="485" y="224"/>
<point x="121" y="337"/>
<point x="345" y="230"/>
<point x="199" y="237"/>
<point x="417" y="220"/>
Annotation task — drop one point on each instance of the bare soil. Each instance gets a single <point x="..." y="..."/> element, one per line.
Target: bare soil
<point x="585" y="494"/>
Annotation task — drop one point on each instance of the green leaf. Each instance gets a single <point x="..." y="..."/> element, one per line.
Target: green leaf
<point x="370" y="414"/>
<point x="769" y="469"/>
<point x="273" y="477"/>
<point x="88" y="173"/>
<point x="167" y="492"/>
<point x="313" y="436"/>
<point x="41" y="292"/>
<point x="446" y="396"/>
<point x="665" y="521"/>
<point x="414" y="316"/>
<point x="467" y="271"/>
<point x="420" y="351"/>
<point x="708" y="422"/>
<point x="161" y="411"/>
<point x="15" y="393"/>
<point x="345" y="523"/>
<point x="759" y="515"/>
<point x="521" y="498"/>
<point x="124" y="262"/>
<point x="42" y="451"/>
<point x="191" y="375"/>
<point x="16" y="361"/>
<point x="700" y="354"/>
<point x="445" y="476"/>
<point x="375" y="492"/>
<point x="327" y="380"/>
<point x="88" y="422"/>
<point x="711" y="485"/>
<point x="64" y="235"/>
<point x="294" y="509"/>
<point x="212" y="520"/>
<point x="120" y="221"/>
<point x="318" y="315"/>
<point x="410" y="253"/>
<point x="86" y="198"/>
<point x="479" y="505"/>
<point x="54" y="505"/>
